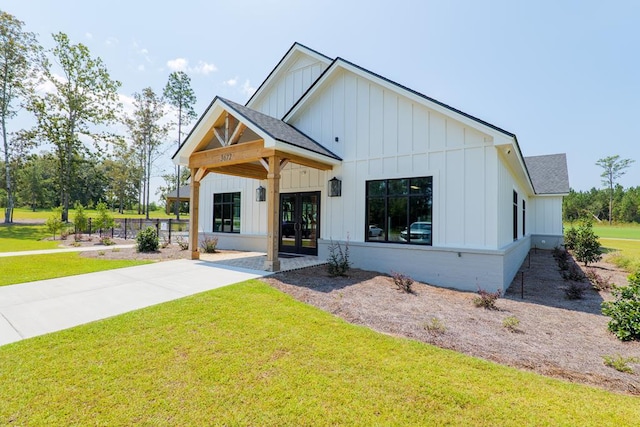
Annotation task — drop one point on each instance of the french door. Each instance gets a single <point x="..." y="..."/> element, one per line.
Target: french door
<point x="299" y="222"/>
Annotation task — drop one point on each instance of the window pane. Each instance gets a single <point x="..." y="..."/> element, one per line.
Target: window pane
<point x="217" y="198"/>
<point x="217" y="217"/>
<point x="376" y="188"/>
<point x="420" y="221"/>
<point x="396" y="218"/>
<point x="376" y="219"/>
<point x="420" y="185"/>
<point x="398" y="186"/>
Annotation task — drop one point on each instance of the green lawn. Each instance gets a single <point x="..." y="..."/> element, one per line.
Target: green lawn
<point x="623" y="253"/>
<point x="249" y="355"/>
<point x="617" y="231"/>
<point x="15" y="237"/>
<point x="24" y="213"/>
<point x="21" y="269"/>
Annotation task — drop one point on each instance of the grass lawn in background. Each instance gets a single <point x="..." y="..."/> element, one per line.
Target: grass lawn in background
<point x="24" y="213"/>
<point x="623" y="253"/>
<point x="248" y="354"/>
<point x="22" y="269"/>
<point x="24" y="237"/>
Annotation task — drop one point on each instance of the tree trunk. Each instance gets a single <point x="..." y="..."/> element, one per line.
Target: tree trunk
<point x="8" y="213"/>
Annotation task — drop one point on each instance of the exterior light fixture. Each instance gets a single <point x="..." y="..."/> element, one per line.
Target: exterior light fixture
<point x="261" y="194"/>
<point x="335" y="187"/>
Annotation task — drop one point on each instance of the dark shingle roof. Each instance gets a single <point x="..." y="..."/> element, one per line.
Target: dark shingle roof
<point x="549" y="174"/>
<point x="279" y="130"/>
<point x="185" y="192"/>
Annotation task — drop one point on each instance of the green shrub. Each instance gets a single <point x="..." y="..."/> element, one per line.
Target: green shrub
<point x="184" y="244"/>
<point x="105" y="220"/>
<point x="338" y="263"/>
<point x="208" y="245"/>
<point x="147" y="240"/>
<point x="587" y="245"/>
<point x="511" y="323"/>
<point x="435" y="326"/>
<point x="486" y="299"/>
<point x="403" y="282"/>
<point x="570" y="238"/>
<point x="625" y="310"/>
<point x="80" y="220"/>
<point x="54" y="222"/>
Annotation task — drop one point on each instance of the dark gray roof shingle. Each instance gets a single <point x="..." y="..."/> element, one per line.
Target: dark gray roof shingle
<point x="279" y="130"/>
<point x="549" y="173"/>
<point x="185" y="191"/>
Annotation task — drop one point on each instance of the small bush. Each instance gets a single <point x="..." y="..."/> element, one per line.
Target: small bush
<point x="511" y="323"/>
<point x="105" y="220"/>
<point x="54" y="222"/>
<point x="107" y="241"/>
<point x="598" y="282"/>
<point x="620" y="363"/>
<point x="115" y="250"/>
<point x="338" y="262"/>
<point x="570" y="238"/>
<point x="101" y="253"/>
<point x="184" y="244"/>
<point x="574" y="291"/>
<point x="486" y="299"/>
<point x="403" y="282"/>
<point x="147" y="240"/>
<point x="435" y="326"/>
<point x="587" y="245"/>
<point x="573" y="273"/>
<point x="625" y="310"/>
<point x="80" y="220"/>
<point x="208" y="245"/>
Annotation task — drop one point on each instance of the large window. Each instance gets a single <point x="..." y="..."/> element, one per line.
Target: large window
<point x="226" y="212"/>
<point x="400" y="210"/>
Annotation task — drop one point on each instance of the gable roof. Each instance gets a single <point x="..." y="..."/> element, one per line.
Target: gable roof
<point x="279" y="130"/>
<point x="549" y="174"/>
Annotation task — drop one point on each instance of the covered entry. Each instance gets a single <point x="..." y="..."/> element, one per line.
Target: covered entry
<point x="300" y="222"/>
<point x="235" y="140"/>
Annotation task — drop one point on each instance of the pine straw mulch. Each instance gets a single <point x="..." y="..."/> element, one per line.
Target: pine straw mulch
<point x="557" y="337"/>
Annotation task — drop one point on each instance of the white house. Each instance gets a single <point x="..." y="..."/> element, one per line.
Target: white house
<point x="419" y="187"/>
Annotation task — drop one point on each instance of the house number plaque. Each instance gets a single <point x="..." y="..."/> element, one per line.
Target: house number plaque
<point x="226" y="157"/>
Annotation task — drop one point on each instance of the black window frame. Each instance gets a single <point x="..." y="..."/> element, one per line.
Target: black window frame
<point x="390" y="189"/>
<point x="515" y="215"/>
<point x="524" y="217"/>
<point x="227" y="204"/>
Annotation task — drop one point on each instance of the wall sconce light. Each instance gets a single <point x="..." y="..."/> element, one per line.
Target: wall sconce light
<point x="261" y="194"/>
<point x="508" y="151"/>
<point x="335" y="187"/>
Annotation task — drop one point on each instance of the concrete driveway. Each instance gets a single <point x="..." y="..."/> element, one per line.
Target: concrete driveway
<point x="36" y="308"/>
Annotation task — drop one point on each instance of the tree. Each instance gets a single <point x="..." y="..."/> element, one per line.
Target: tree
<point x="84" y="97"/>
<point x="148" y="134"/>
<point x="587" y="246"/>
<point x="614" y="167"/>
<point x="179" y="94"/>
<point x="122" y="172"/>
<point x="19" y="52"/>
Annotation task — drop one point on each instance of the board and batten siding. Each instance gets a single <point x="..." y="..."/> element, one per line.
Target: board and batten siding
<point x="382" y="134"/>
<point x="295" y="81"/>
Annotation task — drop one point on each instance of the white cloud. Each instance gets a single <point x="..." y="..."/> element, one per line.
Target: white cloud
<point x="247" y="89"/>
<point x="178" y="64"/>
<point x="204" y="68"/>
<point x="88" y="35"/>
<point x="231" y="82"/>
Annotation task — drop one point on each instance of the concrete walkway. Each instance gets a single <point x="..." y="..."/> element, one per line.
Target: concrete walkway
<point x="71" y="249"/>
<point x="36" y="308"/>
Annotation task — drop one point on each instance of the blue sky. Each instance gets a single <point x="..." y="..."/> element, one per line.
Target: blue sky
<point x="562" y="75"/>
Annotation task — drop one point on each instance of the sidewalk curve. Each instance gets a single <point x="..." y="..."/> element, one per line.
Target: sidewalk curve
<point x="37" y="308"/>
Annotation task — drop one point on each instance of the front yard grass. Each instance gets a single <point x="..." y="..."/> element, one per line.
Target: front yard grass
<point x="623" y="253"/>
<point x="14" y="237"/>
<point x="248" y="354"/>
<point x="22" y="269"/>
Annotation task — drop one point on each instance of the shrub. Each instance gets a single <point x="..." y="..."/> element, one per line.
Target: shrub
<point x="107" y="241"/>
<point x="570" y="238"/>
<point x="574" y="291"/>
<point x="598" y="282"/>
<point x="54" y="222"/>
<point x="511" y="323"/>
<point x="80" y="220"/>
<point x="435" y="326"/>
<point x="208" y="245"/>
<point x="625" y="310"/>
<point x="573" y="273"/>
<point x="486" y="299"/>
<point x="403" y="282"/>
<point x="184" y="244"/>
<point x="105" y="220"/>
<point x="620" y="363"/>
<point x="587" y="246"/>
<point x="338" y="262"/>
<point x="147" y="240"/>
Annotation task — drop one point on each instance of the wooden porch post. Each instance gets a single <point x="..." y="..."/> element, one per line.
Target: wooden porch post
<point x="273" y="216"/>
<point x="193" y="216"/>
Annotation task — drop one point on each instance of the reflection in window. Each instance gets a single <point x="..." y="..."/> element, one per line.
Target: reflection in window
<point x="400" y="210"/>
<point x="226" y="213"/>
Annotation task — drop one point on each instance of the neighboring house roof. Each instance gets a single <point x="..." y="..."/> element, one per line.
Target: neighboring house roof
<point x="185" y="193"/>
<point x="279" y="130"/>
<point x="549" y="173"/>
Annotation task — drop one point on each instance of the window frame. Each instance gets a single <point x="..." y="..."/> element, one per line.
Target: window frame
<point x="233" y="205"/>
<point x="515" y="215"/>
<point x="393" y="192"/>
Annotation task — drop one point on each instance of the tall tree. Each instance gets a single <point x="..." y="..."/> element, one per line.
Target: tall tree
<point x="613" y="168"/>
<point x="19" y="52"/>
<point x="148" y="132"/>
<point x="84" y="98"/>
<point x="179" y="94"/>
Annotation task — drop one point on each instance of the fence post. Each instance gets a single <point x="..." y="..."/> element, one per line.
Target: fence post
<point x="125" y="229"/>
<point x="89" y="226"/>
<point x="169" y="230"/>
